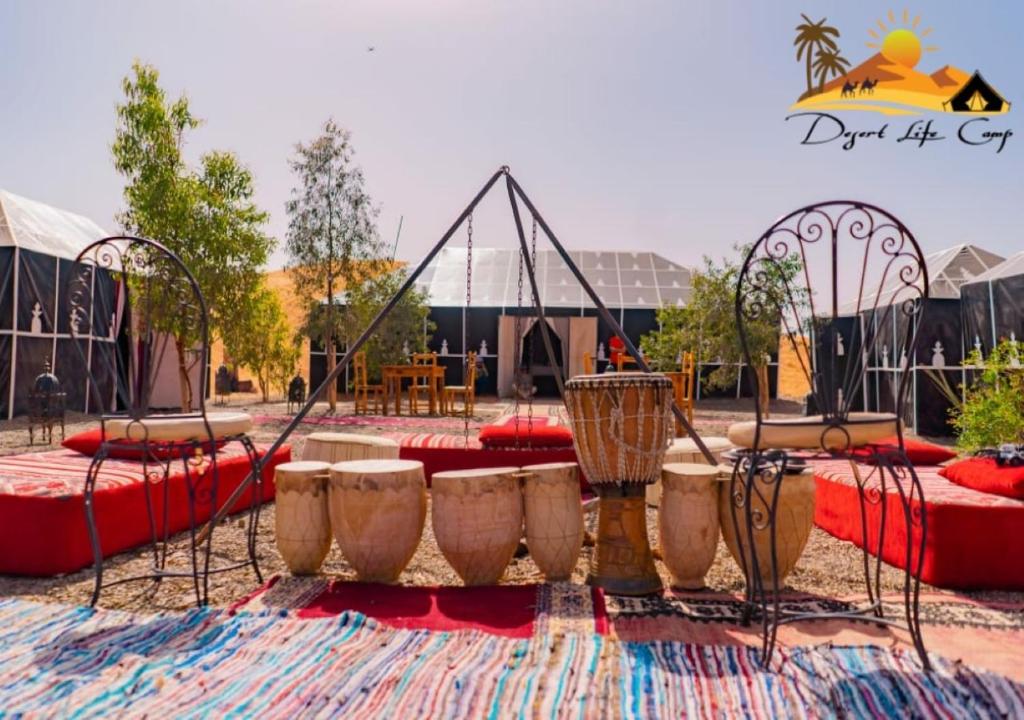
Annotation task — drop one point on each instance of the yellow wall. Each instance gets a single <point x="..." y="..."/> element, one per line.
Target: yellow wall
<point x="280" y="283"/>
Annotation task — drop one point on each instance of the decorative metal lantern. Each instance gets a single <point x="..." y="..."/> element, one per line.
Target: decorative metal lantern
<point x="46" y="405"/>
<point x="296" y="392"/>
<point x="222" y="384"/>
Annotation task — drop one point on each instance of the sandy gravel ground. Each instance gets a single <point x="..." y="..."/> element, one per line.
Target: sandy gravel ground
<point x="828" y="567"/>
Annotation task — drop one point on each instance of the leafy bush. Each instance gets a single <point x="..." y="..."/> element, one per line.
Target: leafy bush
<point x="992" y="412"/>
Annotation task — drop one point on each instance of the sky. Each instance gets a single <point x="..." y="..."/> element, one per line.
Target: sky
<point x="653" y="126"/>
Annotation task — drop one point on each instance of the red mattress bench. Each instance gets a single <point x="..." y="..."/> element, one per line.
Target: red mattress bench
<point x="974" y="540"/>
<point x="42" y="515"/>
<point x="440" y="452"/>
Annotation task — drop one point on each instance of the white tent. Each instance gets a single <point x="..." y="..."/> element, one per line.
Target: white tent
<point x="37" y="245"/>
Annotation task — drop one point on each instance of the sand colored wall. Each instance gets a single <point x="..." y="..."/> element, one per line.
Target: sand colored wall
<point x="793" y="384"/>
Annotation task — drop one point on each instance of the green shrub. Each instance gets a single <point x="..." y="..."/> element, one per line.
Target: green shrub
<point x="992" y="412"/>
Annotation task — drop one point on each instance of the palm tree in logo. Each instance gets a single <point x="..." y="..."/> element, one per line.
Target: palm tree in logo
<point x="812" y="37"/>
<point x="829" y="62"/>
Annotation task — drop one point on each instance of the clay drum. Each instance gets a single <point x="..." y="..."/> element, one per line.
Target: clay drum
<point x="377" y="510"/>
<point x="477" y="517"/>
<point x="688" y="522"/>
<point x="302" y="527"/>
<point x="793" y="522"/>
<point x="554" y="517"/>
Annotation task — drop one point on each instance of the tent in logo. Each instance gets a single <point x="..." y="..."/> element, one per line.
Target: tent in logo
<point x="976" y="96"/>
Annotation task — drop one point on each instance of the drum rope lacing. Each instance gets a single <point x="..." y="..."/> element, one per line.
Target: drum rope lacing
<point x="598" y="413"/>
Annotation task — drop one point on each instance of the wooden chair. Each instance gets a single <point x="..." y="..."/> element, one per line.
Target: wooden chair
<point x="425" y="385"/>
<point x="467" y="391"/>
<point x="364" y="391"/>
<point x="683" y="385"/>
<point x="627" y="361"/>
<point x="588" y="364"/>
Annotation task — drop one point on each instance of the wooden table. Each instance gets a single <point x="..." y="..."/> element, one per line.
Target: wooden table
<point x="394" y="374"/>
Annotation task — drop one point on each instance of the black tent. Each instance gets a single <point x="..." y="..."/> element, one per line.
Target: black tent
<point x="976" y="96"/>
<point x="993" y="305"/>
<point x="37" y="246"/>
<point x="940" y="348"/>
<point x="633" y="286"/>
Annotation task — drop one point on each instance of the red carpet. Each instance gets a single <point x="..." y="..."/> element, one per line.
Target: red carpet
<point x="507" y="610"/>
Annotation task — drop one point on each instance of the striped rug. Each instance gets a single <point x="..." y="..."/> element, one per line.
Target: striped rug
<point x="75" y="662"/>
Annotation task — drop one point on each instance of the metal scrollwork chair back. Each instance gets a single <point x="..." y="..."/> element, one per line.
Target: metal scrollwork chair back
<point x="150" y="386"/>
<point x="828" y="270"/>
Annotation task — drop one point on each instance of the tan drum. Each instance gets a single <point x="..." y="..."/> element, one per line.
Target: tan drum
<point x="554" y="517"/>
<point x="478" y="519"/>
<point x="301" y="523"/>
<point x="684" y="450"/>
<point x="794" y="520"/>
<point x="377" y="513"/>
<point x="688" y="522"/>
<point x="331" y="447"/>
<point x="622" y="423"/>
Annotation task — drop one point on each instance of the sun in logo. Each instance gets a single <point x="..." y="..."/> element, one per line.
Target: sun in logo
<point x="900" y="42"/>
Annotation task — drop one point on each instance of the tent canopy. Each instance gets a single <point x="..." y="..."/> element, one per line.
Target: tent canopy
<point x="948" y="270"/>
<point x="977" y="96"/>
<point x="993" y="304"/>
<point x="35" y="226"/>
<point x="638" y="280"/>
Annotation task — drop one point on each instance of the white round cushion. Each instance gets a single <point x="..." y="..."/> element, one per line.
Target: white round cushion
<point x="179" y="429"/>
<point x="351" y="439"/>
<point x="811" y="433"/>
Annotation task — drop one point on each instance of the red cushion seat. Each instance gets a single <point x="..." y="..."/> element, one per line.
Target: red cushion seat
<point x="88" y="443"/>
<point x="986" y="475"/>
<point x="919" y="452"/>
<point x="536" y="435"/>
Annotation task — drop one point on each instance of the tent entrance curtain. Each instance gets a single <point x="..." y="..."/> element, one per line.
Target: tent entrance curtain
<point x="577" y="335"/>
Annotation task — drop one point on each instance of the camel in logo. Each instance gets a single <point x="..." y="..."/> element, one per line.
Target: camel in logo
<point x="849" y="89"/>
<point x="868" y="87"/>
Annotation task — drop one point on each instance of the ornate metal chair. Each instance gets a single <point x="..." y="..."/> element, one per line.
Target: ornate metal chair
<point x="809" y="273"/>
<point x="137" y="385"/>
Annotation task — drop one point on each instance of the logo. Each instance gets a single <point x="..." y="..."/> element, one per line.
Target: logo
<point x="893" y="81"/>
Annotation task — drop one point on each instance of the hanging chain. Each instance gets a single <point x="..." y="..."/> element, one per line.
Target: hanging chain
<point x="516" y="374"/>
<point x="465" y="329"/>
<point x="533" y="263"/>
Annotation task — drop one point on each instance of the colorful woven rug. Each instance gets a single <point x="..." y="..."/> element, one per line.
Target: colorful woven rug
<point x="984" y="635"/>
<point x="71" y="661"/>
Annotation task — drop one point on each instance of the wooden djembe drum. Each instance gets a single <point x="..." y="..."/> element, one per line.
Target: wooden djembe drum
<point x="621" y="425"/>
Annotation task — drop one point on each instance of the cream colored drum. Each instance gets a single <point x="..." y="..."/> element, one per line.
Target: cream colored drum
<point x="688" y="522"/>
<point x="554" y="517"/>
<point x="334" y="447"/>
<point x="377" y="512"/>
<point x="478" y="519"/>
<point x="302" y="526"/>
<point x="793" y="522"/>
<point x="684" y="450"/>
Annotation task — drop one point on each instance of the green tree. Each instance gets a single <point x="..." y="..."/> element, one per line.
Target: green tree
<point x="407" y="325"/>
<point x="261" y="340"/>
<point x="992" y="412"/>
<point x="707" y="324"/>
<point x="829" y="63"/>
<point x="205" y="215"/>
<point x="332" y="240"/>
<point x="812" y="37"/>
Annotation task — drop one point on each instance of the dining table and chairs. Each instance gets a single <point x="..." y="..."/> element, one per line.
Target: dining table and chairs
<point x="425" y="375"/>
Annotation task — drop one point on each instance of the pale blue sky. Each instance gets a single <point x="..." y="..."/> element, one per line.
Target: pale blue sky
<point x="633" y="125"/>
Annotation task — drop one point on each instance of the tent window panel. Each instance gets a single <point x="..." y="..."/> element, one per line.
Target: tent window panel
<point x="72" y="372"/>
<point x="5" y="373"/>
<point x="32" y="353"/>
<point x="36" y="286"/>
<point x="6" y="288"/>
<point x="103" y="358"/>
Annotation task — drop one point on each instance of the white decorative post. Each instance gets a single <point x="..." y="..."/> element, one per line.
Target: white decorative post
<point x="938" y="356"/>
<point x="444" y="347"/>
<point x="840" y="349"/>
<point x="483" y="348"/>
<point x="600" y="352"/>
<point x="36" y="326"/>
